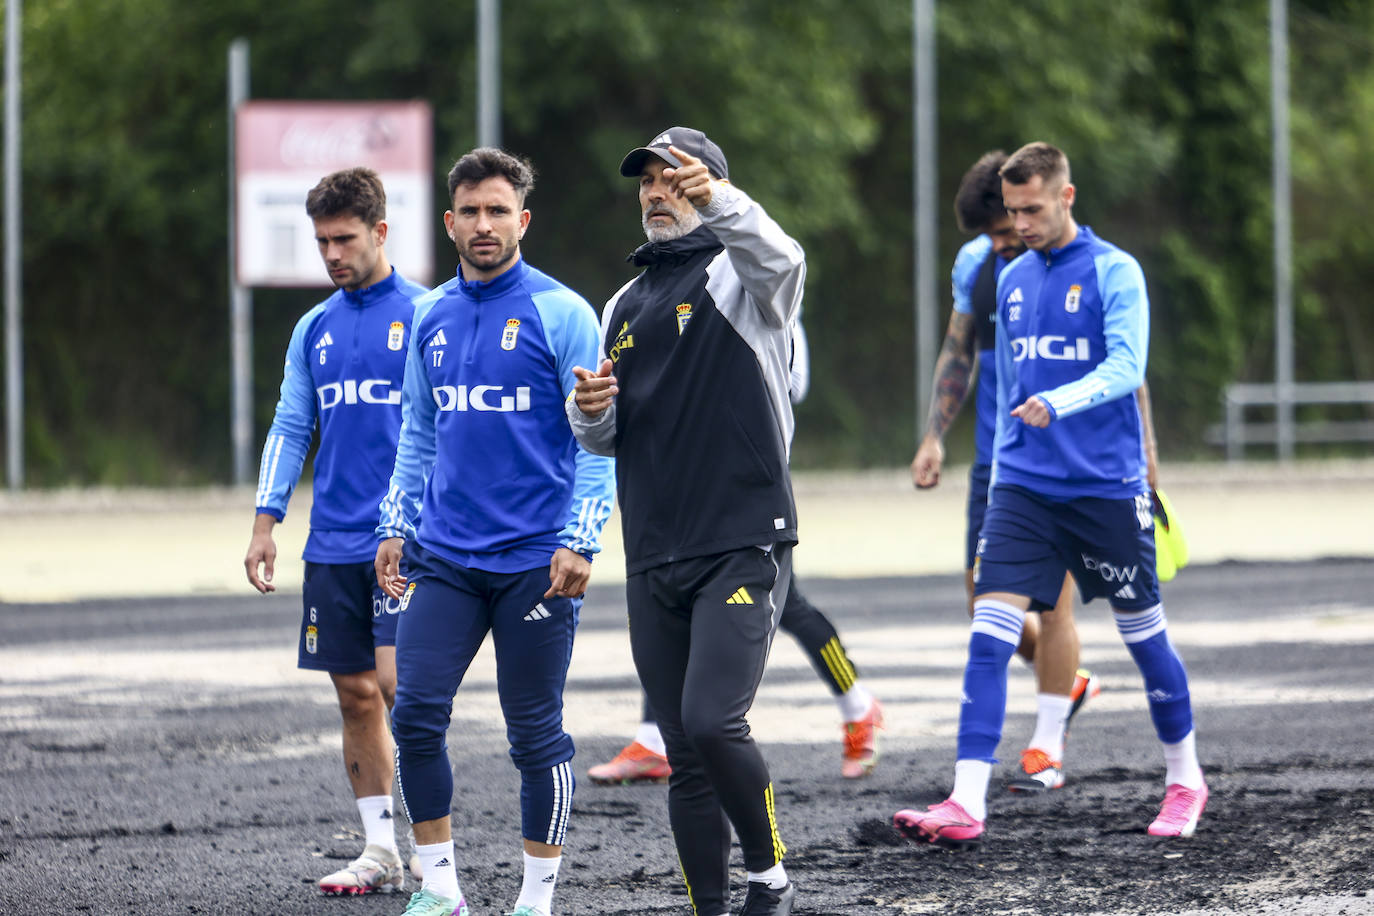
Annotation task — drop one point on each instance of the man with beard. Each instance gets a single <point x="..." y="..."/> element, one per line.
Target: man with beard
<point x="344" y="367"/>
<point x="698" y="416"/>
<point x="1069" y="490"/>
<point x="509" y="511"/>
<point x="1049" y="641"/>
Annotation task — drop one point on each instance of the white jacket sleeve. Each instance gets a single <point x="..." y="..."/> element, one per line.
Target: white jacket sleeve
<point x="770" y="263"/>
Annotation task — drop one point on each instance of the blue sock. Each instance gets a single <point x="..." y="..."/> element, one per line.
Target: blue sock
<point x="996" y="633"/>
<point x="1166" y="681"/>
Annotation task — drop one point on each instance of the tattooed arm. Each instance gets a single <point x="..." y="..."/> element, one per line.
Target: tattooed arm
<point x="953" y="370"/>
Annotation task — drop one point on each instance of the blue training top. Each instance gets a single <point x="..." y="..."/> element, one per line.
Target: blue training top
<point x="485" y="441"/>
<point x="974" y="285"/>
<point x="344" y="367"/>
<point x="1073" y="327"/>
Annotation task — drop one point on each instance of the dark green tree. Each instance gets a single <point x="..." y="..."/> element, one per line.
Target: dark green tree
<point x="1162" y="106"/>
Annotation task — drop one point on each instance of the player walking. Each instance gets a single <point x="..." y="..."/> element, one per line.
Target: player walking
<point x="501" y="513"/>
<point x="1049" y="640"/>
<point x="1068" y="490"/>
<point x="698" y="416"/>
<point x="344" y="367"/>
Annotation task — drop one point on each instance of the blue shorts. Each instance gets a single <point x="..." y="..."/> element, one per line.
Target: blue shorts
<point x="345" y="616"/>
<point x="1028" y="542"/>
<point x="979" y="476"/>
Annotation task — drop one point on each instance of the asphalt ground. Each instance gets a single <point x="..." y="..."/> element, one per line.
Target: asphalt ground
<point x="160" y="753"/>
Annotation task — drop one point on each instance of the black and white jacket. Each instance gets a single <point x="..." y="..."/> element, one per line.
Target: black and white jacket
<point x="701" y="427"/>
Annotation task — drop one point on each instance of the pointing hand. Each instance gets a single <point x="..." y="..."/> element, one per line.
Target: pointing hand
<point x="595" y="391"/>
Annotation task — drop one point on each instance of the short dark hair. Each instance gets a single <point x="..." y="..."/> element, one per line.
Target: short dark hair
<point x="978" y="202"/>
<point x="1049" y="162"/>
<point x="488" y="162"/>
<point x="357" y="191"/>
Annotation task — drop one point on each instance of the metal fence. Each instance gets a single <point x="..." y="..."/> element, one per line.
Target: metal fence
<point x="1238" y="430"/>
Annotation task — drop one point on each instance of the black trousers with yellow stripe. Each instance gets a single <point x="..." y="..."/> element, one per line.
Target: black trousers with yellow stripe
<point x="817" y="637"/>
<point x="700" y="630"/>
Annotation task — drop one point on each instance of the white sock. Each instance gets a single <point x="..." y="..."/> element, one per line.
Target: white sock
<point x="1050" y="719"/>
<point x="775" y="877"/>
<point x="854" y="703"/>
<point x="537" y="889"/>
<point x="437" y="865"/>
<point x="378" y="821"/>
<point x="1181" y="766"/>
<point x="971" y="778"/>
<point x="649" y="736"/>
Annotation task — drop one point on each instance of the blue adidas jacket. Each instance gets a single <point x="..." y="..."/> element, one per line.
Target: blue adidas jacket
<point x="344" y="367"/>
<point x="1073" y="327"/>
<point x="487" y="462"/>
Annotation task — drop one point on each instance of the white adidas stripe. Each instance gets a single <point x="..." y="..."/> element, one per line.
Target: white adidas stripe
<point x="562" y="804"/>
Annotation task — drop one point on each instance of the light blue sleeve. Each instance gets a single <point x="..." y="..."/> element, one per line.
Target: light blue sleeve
<point x="415" y="451"/>
<point x="1126" y="323"/>
<point x="1006" y="426"/>
<point x="965" y="271"/>
<point x="574" y="337"/>
<point x="288" y="439"/>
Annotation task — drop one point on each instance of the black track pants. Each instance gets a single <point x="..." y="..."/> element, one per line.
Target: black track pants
<point x="700" y="631"/>
<point x="818" y="637"/>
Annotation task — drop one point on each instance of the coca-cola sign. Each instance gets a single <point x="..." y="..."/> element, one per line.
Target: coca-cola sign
<point x="283" y="148"/>
<point x="286" y="136"/>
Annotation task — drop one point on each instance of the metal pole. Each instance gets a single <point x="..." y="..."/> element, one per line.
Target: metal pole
<point x="488" y="72"/>
<point x="240" y="297"/>
<point x="1283" y="231"/>
<point x="14" y="303"/>
<point x="923" y="151"/>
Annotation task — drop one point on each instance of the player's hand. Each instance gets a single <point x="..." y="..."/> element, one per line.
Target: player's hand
<point x="595" y="390"/>
<point x="262" y="552"/>
<point x="1033" y="412"/>
<point x="568" y="574"/>
<point x="388" y="566"/>
<point x="925" y="467"/>
<point x="691" y="180"/>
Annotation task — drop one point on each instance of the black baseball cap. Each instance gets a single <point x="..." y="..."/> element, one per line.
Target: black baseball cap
<point x="690" y="141"/>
